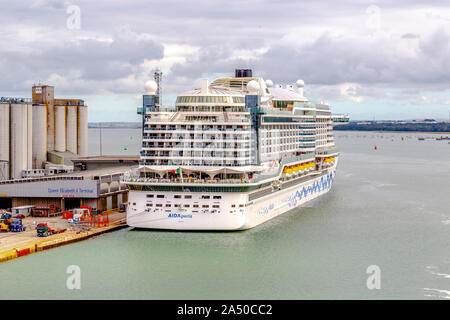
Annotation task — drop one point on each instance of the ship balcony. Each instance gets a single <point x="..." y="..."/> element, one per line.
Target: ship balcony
<point x="189" y="162"/>
<point x="197" y="130"/>
<point x="307" y="134"/>
<point x="196" y="148"/>
<point x="193" y="139"/>
<point x="181" y="121"/>
<point x="197" y="157"/>
<point x="307" y="148"/>
<point x="307" y="142"/>
<point x="185" y="181"/>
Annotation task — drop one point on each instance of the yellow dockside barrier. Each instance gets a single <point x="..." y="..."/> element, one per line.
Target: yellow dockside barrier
<point x="43" y="244"/>
<point x="8" y="255"/>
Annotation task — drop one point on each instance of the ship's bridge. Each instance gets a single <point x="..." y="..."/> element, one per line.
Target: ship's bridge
<point x="210" y="99"/>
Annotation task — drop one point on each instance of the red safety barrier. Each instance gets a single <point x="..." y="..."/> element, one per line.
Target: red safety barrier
<point x="23" y="252"/>
<point x="67" y="215"/>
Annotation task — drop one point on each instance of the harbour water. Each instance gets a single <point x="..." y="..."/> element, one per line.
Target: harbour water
<point x="389" y="207"/>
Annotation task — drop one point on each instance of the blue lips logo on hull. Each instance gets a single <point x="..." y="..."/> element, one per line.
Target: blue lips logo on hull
<point x="318" y="186"/>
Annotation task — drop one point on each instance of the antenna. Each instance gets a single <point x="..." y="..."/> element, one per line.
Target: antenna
<point x="158" y="78"/>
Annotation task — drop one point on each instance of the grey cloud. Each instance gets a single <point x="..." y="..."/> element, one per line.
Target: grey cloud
<point x="410" y="36"/>
<point x="218" y="28"/>
<point x="330" y="61"/>
<point x="86" y="60"/>
<point x="49" y="4"/>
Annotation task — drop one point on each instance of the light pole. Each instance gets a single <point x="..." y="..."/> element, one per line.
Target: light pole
<point x="100" y="124"/>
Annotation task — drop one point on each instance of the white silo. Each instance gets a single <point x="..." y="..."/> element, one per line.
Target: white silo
<point x="50" y="127"/>
<point x="19" y="136"/>
<point x="4" y="131"/>
<point x="39" y="139"/>
<point x="72" y="129"/>
<point x="82" y="131"/>
<point x="29" y="130"/>
<point x="60" y="128"/>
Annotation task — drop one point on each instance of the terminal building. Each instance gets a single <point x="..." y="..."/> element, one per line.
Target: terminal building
<point x="95" y="182"/>
<point x="44" y="160"/>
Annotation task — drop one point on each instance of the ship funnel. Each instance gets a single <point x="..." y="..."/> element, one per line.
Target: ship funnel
<point x="243" y="73"/>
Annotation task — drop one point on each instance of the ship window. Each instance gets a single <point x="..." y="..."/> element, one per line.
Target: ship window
<point x="188" y="197"/>
<point x="205" y="206"/>
<point x="177" y="196"/>
<point x="241" y="205"/>
<point x="195" y="206"/>
<point x="233" y="205"/>
<point x="160" y="196"/>
<point x="177" y="205"/>
<point x="216" y="206"/>
<point x="217" y="197"/>
<point x="150" y="196"/>
<point x="168" y="205"/>
<point x="205" y="197"/>
<point x="186" y="206"/>
<point x="149" y="205"/>
<point x="159" y="205"/>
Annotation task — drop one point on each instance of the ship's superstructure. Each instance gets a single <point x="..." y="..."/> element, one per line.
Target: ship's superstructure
<point x="232" y="154"/>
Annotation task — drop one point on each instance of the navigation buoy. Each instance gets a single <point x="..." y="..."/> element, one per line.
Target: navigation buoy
<point x="375" y="148"/>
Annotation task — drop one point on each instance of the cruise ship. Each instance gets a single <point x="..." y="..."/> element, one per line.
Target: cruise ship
<point x="231" y="155"/>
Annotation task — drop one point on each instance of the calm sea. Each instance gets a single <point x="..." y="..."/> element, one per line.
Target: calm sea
<point x="389" y="208"/>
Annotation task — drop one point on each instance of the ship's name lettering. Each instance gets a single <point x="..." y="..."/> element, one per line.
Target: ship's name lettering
<point x="177" y="215"/>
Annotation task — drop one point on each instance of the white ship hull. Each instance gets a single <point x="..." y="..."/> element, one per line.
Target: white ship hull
<point x="244" y="215"/>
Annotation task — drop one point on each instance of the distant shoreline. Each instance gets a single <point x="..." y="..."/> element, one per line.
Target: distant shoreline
<point x="433" y="127"/>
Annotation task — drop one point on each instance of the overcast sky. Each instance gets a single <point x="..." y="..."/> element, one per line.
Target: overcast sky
<point x="370" y="59"/>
